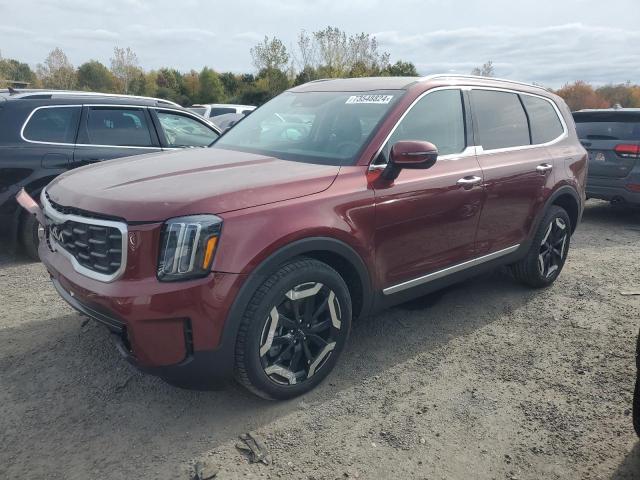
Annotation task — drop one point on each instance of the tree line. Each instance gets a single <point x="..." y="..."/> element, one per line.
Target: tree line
<point x="327" y="53"/>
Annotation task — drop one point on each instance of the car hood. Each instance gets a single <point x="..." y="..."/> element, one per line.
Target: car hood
<point x="158" y="186"/>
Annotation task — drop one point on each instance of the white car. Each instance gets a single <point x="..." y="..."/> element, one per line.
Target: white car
<point x="211" y="110"/>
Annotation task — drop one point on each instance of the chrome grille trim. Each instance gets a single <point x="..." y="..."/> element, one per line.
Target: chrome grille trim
<point x="56" y="217"/>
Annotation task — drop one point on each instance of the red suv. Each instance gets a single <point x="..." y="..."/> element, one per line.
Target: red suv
<point x="333" y="200"/>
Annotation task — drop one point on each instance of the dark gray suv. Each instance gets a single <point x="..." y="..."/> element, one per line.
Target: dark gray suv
<point x="612" y="138"/>
<point x="45" y="133"/>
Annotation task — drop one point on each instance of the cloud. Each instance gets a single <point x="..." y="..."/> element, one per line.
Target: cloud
<point x="550" y="55"/>
<point x="95" y="35"/>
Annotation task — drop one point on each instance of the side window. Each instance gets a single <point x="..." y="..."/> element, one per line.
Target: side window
<point x="500" y="119"/>
<point x="53" y="124"/>
<point x="183" y="131"/>
<point x="437" y="118"/>
<point x="544" y="121"/>
<point x="126" y="127"/>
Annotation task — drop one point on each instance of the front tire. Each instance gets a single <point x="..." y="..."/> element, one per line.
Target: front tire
<point x="293" y="330"/>
<point x="548" y="252"/>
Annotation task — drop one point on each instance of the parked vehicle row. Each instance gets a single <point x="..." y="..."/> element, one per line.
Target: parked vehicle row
<point x="336" y="199"/>
<point x="46" y="133"/>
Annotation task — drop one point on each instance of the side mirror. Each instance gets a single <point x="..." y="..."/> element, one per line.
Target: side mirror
<point x="414" y="154"/>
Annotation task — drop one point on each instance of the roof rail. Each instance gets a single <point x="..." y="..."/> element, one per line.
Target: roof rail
<point x="70" y="93"/>
<point x="478" y="77"/>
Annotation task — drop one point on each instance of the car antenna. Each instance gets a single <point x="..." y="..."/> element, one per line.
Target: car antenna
<point x="13" y="91"/>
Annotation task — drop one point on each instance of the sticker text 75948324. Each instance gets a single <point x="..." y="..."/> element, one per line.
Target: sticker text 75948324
<point x="379" y="99"/>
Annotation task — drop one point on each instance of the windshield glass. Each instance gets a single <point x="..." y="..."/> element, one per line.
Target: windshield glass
<point x="316" y="127"/>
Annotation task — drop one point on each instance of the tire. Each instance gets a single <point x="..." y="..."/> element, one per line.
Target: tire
<point x="29" y="238"/>
<point x="548" y="252"/>
<point x="293" y="330"/>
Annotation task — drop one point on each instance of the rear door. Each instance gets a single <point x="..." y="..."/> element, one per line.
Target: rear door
<point x="516" y="172"/>
<point x="612" y="139"/>
<point x="114" y="131"/>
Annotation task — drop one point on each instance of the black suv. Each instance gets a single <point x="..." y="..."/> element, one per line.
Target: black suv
<point x="45" y="133"/>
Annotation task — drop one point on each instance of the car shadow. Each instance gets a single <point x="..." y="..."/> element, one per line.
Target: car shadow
<point x="71" y="387"/>
<point x="604" y="213"/>
<point x="629" y="469"/>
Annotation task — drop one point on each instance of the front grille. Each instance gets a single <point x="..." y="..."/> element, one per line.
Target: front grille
<point x="95" y="247"/>
<point x="95" y="243"/>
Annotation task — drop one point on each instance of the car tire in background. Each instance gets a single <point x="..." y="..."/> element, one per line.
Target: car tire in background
<point x="548" y="252"/>
<point x="29" y="238"/>
<point x="293" y="330"/>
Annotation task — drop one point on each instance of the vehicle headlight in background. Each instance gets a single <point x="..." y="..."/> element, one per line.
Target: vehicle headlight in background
<point x="187" y="247"/>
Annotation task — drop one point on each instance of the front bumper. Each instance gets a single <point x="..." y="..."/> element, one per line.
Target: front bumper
<point x="172" y="330"/>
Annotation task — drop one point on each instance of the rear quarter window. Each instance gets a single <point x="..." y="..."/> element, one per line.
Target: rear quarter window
<point x="53" y="124"/>
<point x="543" y="118"/>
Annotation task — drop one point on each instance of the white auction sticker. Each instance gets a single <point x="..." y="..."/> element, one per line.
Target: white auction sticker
<point x="379" y="99"/>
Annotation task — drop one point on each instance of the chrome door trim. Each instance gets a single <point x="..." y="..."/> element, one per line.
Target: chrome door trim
<point x="449" y="270"/>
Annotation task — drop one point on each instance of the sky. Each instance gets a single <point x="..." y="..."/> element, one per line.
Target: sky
<point x="550" y="42"/>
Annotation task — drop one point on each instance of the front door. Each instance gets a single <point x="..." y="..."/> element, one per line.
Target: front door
<point x="426" y="220"/>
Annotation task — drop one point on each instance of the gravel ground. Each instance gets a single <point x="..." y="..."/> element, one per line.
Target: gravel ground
<point x="485" y="380"/>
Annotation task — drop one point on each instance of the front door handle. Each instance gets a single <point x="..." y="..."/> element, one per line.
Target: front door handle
<point x="544" y="168"/>
<point x="469" y="182"/>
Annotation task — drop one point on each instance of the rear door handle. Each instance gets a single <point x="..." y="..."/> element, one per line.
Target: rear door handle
<point x="469" y="181"/>
<point x="544" y="168"/>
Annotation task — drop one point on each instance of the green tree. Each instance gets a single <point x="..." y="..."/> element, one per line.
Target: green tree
<point x="57" y="71"/>
<point x="401" y="69"/>
<point x="231" y="83"/>
<point x="95" y="77"/>
<point x="211" y="88"/>
<point x="14" y="71"/>
<point x="270" y="54"/>
<point x="621" y="94"/>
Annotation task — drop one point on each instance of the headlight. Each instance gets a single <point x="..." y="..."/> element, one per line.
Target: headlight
<point x="187" y="247"/>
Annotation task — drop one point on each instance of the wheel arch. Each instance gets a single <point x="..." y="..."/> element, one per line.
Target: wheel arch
<point x="567" y="198"/>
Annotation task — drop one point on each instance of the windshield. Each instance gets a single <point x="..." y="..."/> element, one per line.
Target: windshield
<point x="316" y="127"/>
<point x="607" y="126"/>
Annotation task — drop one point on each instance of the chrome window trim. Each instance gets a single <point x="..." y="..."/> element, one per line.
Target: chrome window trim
<point x="381" y="166"/>
<point x="559" y="138"/>
<point x="58" y="218"/>
<point x="449" y="270"/>
<point x="158" y="148"/>
<point x="477" y="149"/>
<point x="41" y="142"/>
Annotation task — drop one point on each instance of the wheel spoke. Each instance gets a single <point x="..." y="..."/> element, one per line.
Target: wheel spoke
<point x="317" y="339"/>
<point x="321" y="308"/>
<point x="294" y="365"/>
<point x="320" y="327"/>
<point x="283" y="353"/>
<point x="287" y="322"/>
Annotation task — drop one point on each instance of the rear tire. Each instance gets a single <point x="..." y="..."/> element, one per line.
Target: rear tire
<point x="293" y="330"/>
<point x="29" y="238"/>
<point x="548" y="252"/>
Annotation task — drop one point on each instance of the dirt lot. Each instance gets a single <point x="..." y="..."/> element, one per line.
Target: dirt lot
<point x="484" y="380"/>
